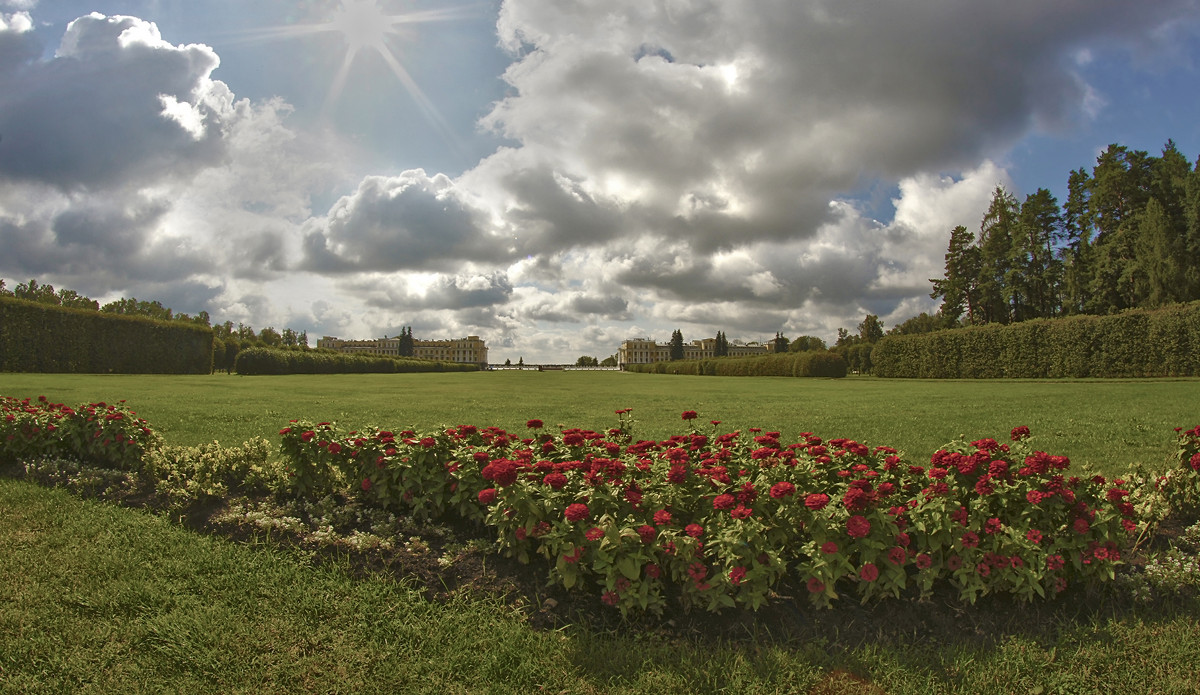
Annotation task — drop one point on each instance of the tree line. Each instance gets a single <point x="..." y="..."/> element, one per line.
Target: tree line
<point x="1128" y="236"/>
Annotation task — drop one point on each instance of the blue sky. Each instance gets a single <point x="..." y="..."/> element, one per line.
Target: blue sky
<point x="554" y="176"/>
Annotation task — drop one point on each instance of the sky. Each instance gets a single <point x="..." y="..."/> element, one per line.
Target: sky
<point x="555" y="176"/>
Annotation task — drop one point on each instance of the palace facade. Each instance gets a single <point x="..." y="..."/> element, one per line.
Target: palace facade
<point x="469" y="350"/>
<point x="646" y="351"/>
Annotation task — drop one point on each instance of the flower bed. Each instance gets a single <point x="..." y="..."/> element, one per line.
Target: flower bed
<point x="705" y="518"/>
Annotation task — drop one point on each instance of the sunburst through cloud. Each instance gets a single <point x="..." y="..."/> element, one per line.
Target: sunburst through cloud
<point x="365" y="25"/>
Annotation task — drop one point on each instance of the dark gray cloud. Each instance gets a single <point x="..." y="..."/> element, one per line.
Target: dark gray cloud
<point x="99" y="114"/>
<point x="408" y="222"/>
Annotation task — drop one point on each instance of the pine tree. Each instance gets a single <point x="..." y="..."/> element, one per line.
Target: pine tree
<point x="958" y="289"/>
<point x="676" y="348"/>
<point x="1000" y="294"/>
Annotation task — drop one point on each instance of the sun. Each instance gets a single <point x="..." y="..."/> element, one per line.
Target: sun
<point x="365" y="26"/>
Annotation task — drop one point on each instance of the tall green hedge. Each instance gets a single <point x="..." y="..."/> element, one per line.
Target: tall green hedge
<point x="261" y="360"/>
<point x="818" y="363"/>
<point x="38" y="337"/>
<point x="1142" y="343"/>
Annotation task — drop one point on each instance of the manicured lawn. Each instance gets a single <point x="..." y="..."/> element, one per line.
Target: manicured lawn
<point x="1104" y="424"/>
<point x="98" y="598"/>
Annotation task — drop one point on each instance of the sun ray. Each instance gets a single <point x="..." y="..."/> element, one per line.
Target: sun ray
<point x="363" y="24"/>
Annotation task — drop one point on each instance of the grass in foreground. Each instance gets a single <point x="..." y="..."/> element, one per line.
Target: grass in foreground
<point x="1102" y="424"/>
<point x="107" y="599"/>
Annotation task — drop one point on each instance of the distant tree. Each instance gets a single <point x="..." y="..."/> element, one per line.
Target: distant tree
<point x="407" y="346"/>
<point x="721" y="345"/>
<point x="780" y="343"/>
<point x="521" y="361"/>
<point x="676" y="347"/>
<point x="844" y="338"/>
<point x="270" y="337"/>
<point x="246" y="334"/>
<point x="288" y="338"/>
<point x="958" y="287"/>
<point x="303" y="339"/>
<point x="999" y="295"/>
<point x="871" y="329"/>
<point x="586" y="361"/>
<point x="218" y="359"/>
<point x="805" y="343"/>
<point x="232" y="347"/>
<point x="921" y="323"/>
<point x="610" y="361"/>
<point x="33" y="292"/>
<point x="73" y="300"/>
<point x="508" y="362"/>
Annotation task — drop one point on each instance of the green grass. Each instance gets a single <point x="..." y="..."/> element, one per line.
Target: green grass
<point x="97" y="598"/>
<point x="1102" y="424"/>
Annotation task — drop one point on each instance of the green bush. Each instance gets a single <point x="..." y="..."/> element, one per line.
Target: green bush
<point x="811" y="363"/>
<point x="1141" y="343"/>
<point x="37" y="337"/>
<point x="262" y="360"/>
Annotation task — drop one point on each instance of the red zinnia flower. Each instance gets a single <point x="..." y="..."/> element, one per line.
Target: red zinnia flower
<point x="815" y="586"/>
<point x="595" y="533"/>
<point x="662" y="518"/>
<point x="1081" y="526"/>
<point x="647" y="532"/>
<point x="723" y="502"/>
<point x="653" y="571"/>
<point x="366" y="484"/>
<point x="610" y="598"/>
<point x="736" y="575"/>
<point x="954" y="563"/>
<point x="970" y="539"/>
<point x="897" y="555"/>
<point x="742" y="512"/>
<point x="534" y="424"/>
<point x="1195" y="462"/>
<point x="1054" y="562"/>
<point x="487" y="496"/>
<point x="307" y="436"/>
<point x="694" y="530"/>
<point x="689" y="415"/>
<point x="858" y="526"/>
<point x="782" y="489"/>
<point x="869" y="572"/>
<point x="924" y="561"/>
<point x="1019" y="433"/>
<point x="555" y="480"/>
<point x="829" y="547"/>
<point x="576" y="512"/>
<point x="993" y="525"/>
<point x="816" y="501"/>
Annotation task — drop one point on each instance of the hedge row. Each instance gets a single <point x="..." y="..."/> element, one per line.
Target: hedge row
<point x="38" y="337"/>
<point x="1142" y="343"/>
<point x="808" y="363"/>
<point x="260" y="360"/>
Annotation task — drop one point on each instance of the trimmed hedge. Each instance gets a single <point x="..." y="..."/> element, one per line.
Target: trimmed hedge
<point x="817" y="363"/>
<point x="1141" y="343"/>
<point x="260" y="360"/>
<point x="38" y="337"/>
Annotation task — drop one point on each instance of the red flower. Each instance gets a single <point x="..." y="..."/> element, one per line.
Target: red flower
<point x="677" y="474"/>
<point x="1034" y="496"/>
<point x="501" y="471"/>
<point x="1019" y="433"/>
<point x="653" y="571"/>
<point x="1081" y="526"/>
<point x="924" y="561"/>
<point x="953" y="563"/>
<point x="307" y="436"/>
<point x="869" y="572"/>
<point x="782" y="489"/>
<point x="534" y="424"/>
<point x="428" y="442"/>
<point x="576" y="512"/>
<point x="970" y="540"/>
<point x="816" y="501"/>
<point x="556" y="481"/>
<point x="742" y="512"/>
<point x="487" y="496"/>
<point x="1054" y="562"/>
<point x="573" y="439"/>
<point x="858" y="526"/>
<point x="689" y="415"/>
<point x="829" y="547"/>
<point x="694" y="530"/>
<point x="335" y="448"/>
<point x="662" y="518"/>
<point x="366" y="484"/>
<point x="815" y="586"/>
<point x="1033" y="535"/>
<point x="736" y="575"/>
<point x="897" y="555"/>
<point x="610" y="598"/>
<point x="1195" y="462"/>
<point x="723" y="502"/>
<point x="647" y="533"/>
<point x="594" y="533"/>
<point x="993" y="525"/>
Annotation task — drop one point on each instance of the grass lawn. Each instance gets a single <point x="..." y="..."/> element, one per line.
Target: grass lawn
<point x="1102" y="424"/>
<point x="99" y="598"/>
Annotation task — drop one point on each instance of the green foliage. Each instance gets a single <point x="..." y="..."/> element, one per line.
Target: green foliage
<point x="97" y="434"/>
<point x="1139" y="343"/>
<point x="816" y="363"/>
<point x="188" y="474"/>
<point x="264" y="360"/>
<point x="38" y="337"/>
